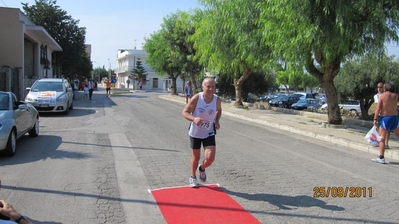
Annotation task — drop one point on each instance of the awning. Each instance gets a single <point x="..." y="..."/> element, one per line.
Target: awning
<point x="40" y="35"/>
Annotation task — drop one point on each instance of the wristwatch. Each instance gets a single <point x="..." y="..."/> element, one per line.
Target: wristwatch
<point x="19" y="219"/>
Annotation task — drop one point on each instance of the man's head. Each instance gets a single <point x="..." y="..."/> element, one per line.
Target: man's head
<point x="208" y="86"/>
<point x="380" y="87"/>
<point x="389" y="87"/>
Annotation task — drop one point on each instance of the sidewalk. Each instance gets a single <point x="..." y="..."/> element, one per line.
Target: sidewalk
<point x="350" y="134"/>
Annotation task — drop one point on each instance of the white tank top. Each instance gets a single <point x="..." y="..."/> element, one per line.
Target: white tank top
<point x="208" y="113"/>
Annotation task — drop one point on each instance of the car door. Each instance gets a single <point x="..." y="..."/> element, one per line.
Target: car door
<point x="21" y="116"/>
<point x="69" y="93"/>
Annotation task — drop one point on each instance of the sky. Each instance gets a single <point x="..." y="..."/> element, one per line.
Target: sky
<point x="122" y="24"/>
<point x="115" y="24"/>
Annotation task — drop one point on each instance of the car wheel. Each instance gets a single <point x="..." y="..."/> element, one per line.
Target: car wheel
<point x="34" y="132"/>
<point x="11" y="144"/>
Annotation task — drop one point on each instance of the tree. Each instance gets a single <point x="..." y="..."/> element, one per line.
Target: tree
<point x="227" y="44"/>
<point x="320" y="35"/>
<point x="184" y="29"/>
<point x="359" y="77"/>
<point x="139" y="72"/>
<point x="65" y="30"/>
<point x="160" y="56"/>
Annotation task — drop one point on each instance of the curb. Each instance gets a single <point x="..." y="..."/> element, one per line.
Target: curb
<point x="339" y="141"/>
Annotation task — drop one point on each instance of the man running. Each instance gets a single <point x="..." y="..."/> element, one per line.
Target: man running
<point x="203" y="111"/>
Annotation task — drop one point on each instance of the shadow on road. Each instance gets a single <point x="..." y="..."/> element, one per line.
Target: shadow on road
<point x="39" y="148"/>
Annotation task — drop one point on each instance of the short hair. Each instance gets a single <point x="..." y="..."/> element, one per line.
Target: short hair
<point x="389" y="87"/>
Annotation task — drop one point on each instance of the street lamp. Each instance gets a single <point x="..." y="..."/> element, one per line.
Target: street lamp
<point x="109" y="75"/>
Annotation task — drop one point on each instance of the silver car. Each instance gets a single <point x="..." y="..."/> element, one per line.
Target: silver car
<point x="51" y="95"/>
<point x="16" y="119"/>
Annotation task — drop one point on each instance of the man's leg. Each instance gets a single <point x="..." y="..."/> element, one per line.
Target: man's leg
<point x="90" y="93"/>
<point x="195" y="157"/>
<point x="209" y="154"/>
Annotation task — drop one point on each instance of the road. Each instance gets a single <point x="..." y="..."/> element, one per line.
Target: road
<point x="96" y="165"/>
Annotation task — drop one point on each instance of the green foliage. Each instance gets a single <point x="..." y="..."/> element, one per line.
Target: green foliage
<point x="359" y="77"/>
<point x="138" y="71"/>
<point x="320" y="35"/>
<point x="102" y="72"/>
<point x="65" y="30"/>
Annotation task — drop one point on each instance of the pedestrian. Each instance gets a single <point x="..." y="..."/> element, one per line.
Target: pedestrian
<point x="386" y="116"/>
<point x="75" y="87"/>
<point x="85" y="92"/>
<point x="380" y="89"/>
<point x="90" y="85"/>
<point x="203" y="111"/>
<point x="188" y="91"/>
<point x="73" y="90"/>
<point x="128" y="83"/>
<point x="141" y="85"/>
<point x="108" y="87"/>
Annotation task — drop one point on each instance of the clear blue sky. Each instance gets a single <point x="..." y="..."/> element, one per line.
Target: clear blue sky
<point x="115" y="24"/>
<point x="122" y="24"/>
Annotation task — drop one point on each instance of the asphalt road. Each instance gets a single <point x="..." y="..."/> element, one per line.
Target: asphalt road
<point x="96" y="165"/>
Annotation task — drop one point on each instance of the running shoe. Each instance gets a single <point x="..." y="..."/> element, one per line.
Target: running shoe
<point x="202" y="174"/>
<point x="378" y="160"/>
<point x="193" y="182"/>
<point x="386" y="146"/>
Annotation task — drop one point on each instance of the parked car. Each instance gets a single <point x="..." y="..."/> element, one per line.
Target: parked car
<point x="16" y="119"/>
<point x="303" y="104"/>
<point x="51" y="95"/>
<point x="277" y="101"/>
<point x="290" y="100"/>
<point x="351" y="105"/>
<point x="268" y="97"/>
<point x="303" y="95"/>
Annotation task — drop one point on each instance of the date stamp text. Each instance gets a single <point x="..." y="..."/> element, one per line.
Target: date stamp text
<point x="342" y="192"/>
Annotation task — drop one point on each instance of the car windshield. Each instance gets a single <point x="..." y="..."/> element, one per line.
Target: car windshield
<point x="4" y="101"/>
<point x="303" y="101"/>
<point x="47" y="86"/>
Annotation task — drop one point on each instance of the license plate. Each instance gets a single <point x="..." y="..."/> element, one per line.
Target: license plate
<point x="43" y="105"/>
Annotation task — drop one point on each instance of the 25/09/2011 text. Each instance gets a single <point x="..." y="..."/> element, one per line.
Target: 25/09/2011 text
<point x="342" y="192"/>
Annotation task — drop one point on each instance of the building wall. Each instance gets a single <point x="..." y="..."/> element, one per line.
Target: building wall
<point x="11" y="38"/>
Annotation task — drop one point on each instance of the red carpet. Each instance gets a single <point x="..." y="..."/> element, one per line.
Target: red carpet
<point x="206" y="204"/>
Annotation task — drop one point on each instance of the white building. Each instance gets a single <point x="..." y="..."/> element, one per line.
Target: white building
<point x="126" y="61"/>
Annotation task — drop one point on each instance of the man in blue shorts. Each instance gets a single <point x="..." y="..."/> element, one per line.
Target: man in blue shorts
<point x="388" y="119"/>
<point x="204" y="111"/>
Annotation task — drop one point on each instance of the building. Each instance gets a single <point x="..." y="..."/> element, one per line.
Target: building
<point x="26" y="52"/>
<point x="126" y="61"/>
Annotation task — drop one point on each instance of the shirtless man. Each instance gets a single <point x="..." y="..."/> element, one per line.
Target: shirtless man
<point x="388" y="120"/>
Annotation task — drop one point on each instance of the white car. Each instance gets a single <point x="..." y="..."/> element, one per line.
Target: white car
<point x="16" y="119"/>
<point x="51" y="95"/>
<point x="351" y="105"/>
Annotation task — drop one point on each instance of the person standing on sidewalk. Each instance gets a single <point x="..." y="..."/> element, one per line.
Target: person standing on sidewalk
<point x="386" y="116"/>
<point x="188" y="92"/>
<point x="90" y="85"/>
<point x="380" y="89"/>
<point x="203" y="111"/>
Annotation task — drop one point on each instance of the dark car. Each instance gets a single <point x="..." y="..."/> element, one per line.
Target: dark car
<point x="304" y="104"/>
<point x="290" y="100"/>
<point x="276" y="102"/>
